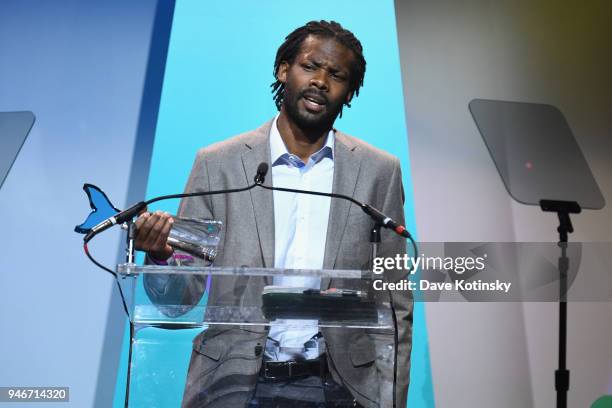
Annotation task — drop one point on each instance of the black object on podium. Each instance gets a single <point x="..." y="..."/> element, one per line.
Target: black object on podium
<point x="541" y="164"/>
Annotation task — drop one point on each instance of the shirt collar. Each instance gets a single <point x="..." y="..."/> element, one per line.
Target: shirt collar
<point x="280" y="155"/>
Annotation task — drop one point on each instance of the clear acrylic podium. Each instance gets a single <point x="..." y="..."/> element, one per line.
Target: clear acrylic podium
<point x="169" y="305"/>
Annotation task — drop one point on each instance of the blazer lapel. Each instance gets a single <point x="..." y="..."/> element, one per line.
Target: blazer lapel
<point x="347" y="164"/>
<point x="346" y="172"/>
<point x="258" y="150"/>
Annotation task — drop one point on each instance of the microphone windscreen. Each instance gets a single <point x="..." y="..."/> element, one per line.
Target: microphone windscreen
<point x="262" y="169"/>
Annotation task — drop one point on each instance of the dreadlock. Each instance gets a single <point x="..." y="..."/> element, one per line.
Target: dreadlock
<point x="326" y="29"/>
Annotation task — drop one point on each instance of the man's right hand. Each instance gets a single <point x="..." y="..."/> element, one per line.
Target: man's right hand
<point x="152" y="231"/>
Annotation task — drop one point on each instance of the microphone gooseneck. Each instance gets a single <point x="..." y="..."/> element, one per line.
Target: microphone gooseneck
<point x="127" y="215"/>
<point x="376" y="215"/>
<point x="260" y="176"/>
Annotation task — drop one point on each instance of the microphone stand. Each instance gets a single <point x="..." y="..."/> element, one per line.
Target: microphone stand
<point x="126" y="218"/>
<point x="380" y="221"/>
<point x="131" y="232"/>
<point x="375" y="241"/>
<point x="130" y="248"/>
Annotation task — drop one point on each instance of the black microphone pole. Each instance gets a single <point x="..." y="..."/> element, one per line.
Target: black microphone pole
<point x="380" y="220"/>
<point x="377" y="216"/>
<point x="127" y="216"/>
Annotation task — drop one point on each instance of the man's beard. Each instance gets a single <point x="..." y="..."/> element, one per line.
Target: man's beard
<point x="310" y="121"/>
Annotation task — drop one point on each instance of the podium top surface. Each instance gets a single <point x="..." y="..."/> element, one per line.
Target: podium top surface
<point x="184" y="297"/>
<point x="132" y="269"/>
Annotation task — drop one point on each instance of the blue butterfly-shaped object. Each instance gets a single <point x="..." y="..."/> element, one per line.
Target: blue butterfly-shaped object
<point x="101" y="208"/>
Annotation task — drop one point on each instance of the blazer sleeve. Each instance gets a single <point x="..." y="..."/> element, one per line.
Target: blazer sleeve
<point x="176" y="295"/>
<point x="199" y="180"/>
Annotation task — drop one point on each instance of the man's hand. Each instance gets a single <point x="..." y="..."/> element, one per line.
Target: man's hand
<point x="152" y="231"/>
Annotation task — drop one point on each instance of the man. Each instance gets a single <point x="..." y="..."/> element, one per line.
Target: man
<point x="318" y="70"/>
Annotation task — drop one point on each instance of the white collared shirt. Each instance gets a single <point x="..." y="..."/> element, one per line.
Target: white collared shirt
<point x="300" y="227"/>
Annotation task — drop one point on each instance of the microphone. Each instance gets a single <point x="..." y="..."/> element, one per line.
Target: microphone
<point x="118" y="218"/>
<point x="262" y="170"/>
<point x="385" y="221"/>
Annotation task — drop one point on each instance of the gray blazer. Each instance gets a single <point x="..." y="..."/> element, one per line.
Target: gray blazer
<point x="226" y="359"/>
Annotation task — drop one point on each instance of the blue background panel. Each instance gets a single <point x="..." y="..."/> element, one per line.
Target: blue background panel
<point x="79" y="67"/>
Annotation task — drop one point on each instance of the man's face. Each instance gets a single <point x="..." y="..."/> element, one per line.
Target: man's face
<point x="317" y="82"/>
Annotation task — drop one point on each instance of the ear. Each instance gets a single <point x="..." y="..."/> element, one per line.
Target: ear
<point x="281" y="72"/>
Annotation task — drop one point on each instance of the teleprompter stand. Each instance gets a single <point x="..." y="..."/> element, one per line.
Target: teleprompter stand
<point x="563" y="210"/>
<point x="540" y="163"/>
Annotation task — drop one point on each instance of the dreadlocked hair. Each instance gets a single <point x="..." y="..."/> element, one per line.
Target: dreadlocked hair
<point x="325" y="29"/>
